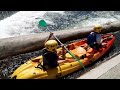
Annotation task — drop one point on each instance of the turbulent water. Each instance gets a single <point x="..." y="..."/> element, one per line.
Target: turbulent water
<point x="26" y="22"/>
<point x="5" y="14"/>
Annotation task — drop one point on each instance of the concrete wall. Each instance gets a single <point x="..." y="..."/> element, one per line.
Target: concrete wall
<point x="22" y="44"/>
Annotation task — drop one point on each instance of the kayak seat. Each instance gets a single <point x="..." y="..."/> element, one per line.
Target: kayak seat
<point x="79" y="52"/>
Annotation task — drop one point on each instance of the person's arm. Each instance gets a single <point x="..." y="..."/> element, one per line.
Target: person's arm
<point x="62" y="52"/>
<point x="49" y="37"/>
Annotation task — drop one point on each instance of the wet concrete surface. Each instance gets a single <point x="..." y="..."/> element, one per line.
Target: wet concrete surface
<point x="113" y="73"/>
<point x="107" y="70"/>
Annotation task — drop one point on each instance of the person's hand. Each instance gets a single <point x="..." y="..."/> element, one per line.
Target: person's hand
<point x="51" y="34"/>
<point x="62" y="45"/>
<point x="94" y="42"/>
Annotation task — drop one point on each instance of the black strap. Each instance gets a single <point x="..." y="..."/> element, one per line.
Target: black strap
<point x="39" y="66"/>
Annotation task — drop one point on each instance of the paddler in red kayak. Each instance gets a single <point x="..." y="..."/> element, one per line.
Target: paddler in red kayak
<point x="94" y="39"/>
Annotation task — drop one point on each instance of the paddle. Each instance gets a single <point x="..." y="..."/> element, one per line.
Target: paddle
<point x="42" y="23"/>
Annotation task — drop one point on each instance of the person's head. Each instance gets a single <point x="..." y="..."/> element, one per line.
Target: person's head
<point x="97" y="28"/>
<point x="51" y="45"/>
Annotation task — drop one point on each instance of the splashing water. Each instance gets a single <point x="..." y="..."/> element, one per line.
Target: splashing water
<point x="22" y="23"/>
<point x="26" y="22"/>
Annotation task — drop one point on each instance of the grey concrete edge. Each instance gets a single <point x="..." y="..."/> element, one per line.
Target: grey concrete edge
<point x="27" y="43"/>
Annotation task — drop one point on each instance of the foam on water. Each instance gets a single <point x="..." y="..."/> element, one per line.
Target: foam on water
<point x="26" y="22"/>
<point x="22" y="23"/>
<point x="94" y="21"/>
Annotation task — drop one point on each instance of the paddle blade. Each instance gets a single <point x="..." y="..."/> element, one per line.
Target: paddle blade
<point x="42" y="23"/>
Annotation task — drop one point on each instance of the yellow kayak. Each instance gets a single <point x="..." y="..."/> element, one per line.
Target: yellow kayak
<point x="29" y="70"/>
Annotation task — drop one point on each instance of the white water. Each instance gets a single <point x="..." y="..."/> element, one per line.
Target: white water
<point x="26" y="22"/>
<point x="93" y="21"/>
<point x="22" y="23"/>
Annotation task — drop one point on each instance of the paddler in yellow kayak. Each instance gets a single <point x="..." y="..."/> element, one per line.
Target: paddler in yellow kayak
<point x="49" y="53"/>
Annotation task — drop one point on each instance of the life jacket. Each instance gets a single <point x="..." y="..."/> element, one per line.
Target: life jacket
<point x="91" y="38"/>
<point x="49" y="58"/>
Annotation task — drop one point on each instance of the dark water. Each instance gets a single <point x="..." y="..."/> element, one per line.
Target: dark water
<point x="5" y="14"/>
<point x="72" y="18"/>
